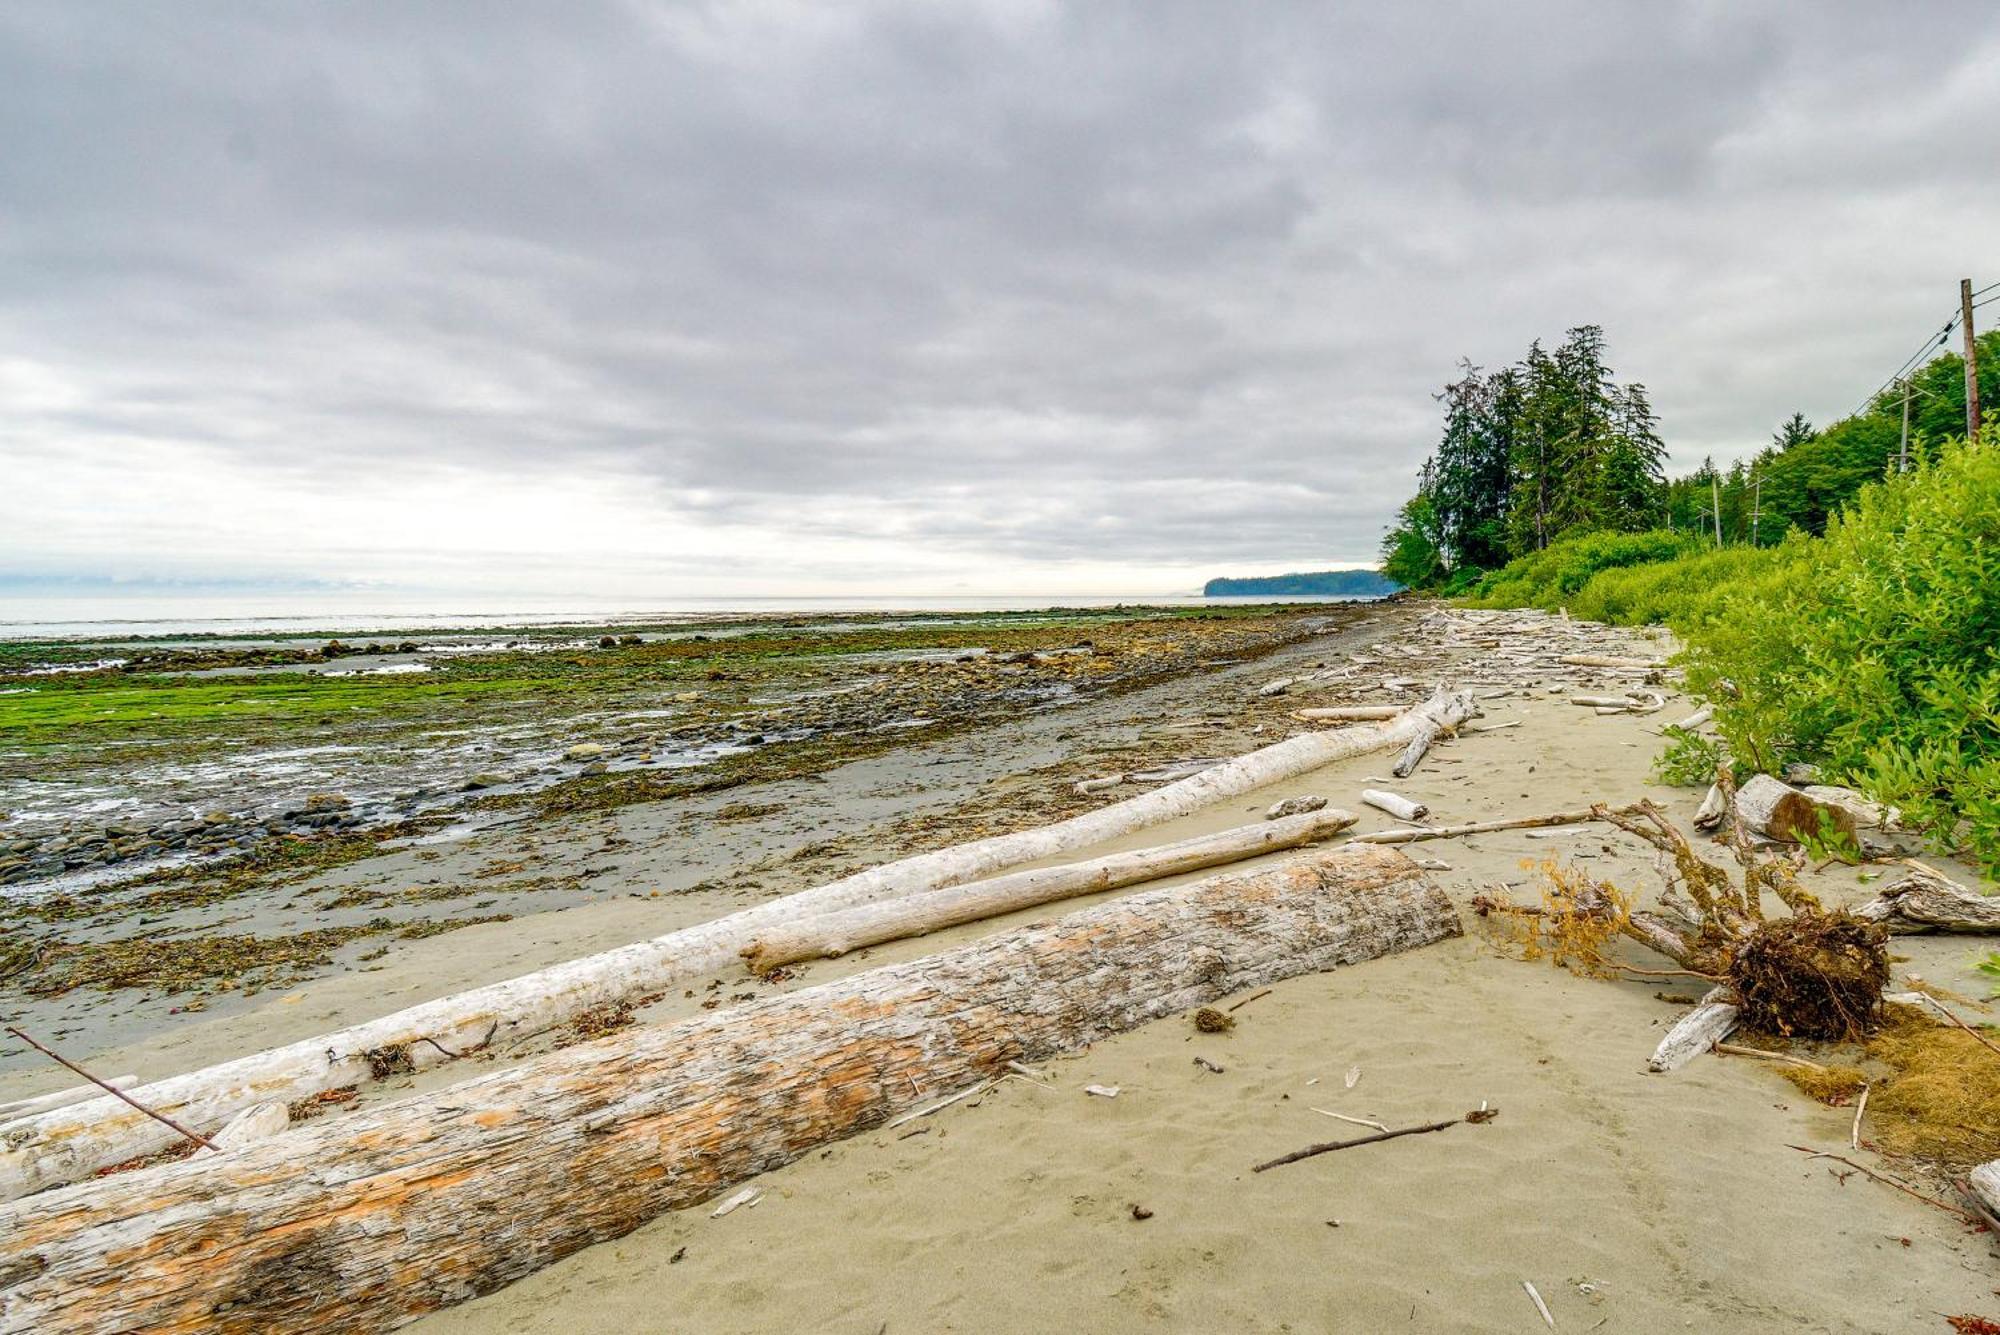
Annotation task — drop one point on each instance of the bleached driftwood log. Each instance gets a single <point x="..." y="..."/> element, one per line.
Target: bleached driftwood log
<point x="257" y="1122"/>
<point x="1711" y="1021"/>
<point x="1420" y="742"/>
<point x="1779" y="811"/>
<point x="1700" y="716"/>
<point x="366" y="1221"/>
<point x="61" y="1098"/>
<point x="1985" y="1183"/>
<point x="1402" y="808"/>
<point x="1708" y="816"/>
<point x="69" y="1143"/>
<point x="827" y="935"/>
<point x="1926" y="900"/>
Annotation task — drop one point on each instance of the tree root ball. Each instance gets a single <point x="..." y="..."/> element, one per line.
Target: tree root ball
<point x="1812" y="975"/>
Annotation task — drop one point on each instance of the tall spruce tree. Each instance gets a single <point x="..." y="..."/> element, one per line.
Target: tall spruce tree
<point x="1471" y="472"/>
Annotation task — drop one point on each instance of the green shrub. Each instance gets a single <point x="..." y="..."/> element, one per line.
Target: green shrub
<point x="1874" y="652"/>
<point x="1550" y="578"/>
<point x="1682" y="593"/>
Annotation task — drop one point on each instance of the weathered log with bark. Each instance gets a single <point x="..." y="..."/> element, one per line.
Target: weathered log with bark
<point x="1926" y="900"/>
<point x="832" y="934"/>
<point x="71" y="1143"/>
<point x="1779" y="811"/>
<point x="366" y="1221"/>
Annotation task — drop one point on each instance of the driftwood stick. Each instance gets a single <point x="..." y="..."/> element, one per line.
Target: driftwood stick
<point x="1236" y="1006"/>
<point x="1476" y="827"/>
<point x="1765" y="1054"/>
<point x="1327" y="1147"/>
<point x="1906" y="1189"/>
<point x="113" y="1090"/>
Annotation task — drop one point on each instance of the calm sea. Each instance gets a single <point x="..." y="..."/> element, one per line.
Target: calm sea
<point x="92" y="617"/>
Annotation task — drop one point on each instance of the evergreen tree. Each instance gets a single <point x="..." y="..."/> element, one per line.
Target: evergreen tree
<point x="1632" y="478"/>
<point x="1471" y="473"/>
<point x="1794" y="430"/>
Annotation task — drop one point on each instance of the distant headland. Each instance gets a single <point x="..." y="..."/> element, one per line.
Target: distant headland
<point x="1318" y="583"/>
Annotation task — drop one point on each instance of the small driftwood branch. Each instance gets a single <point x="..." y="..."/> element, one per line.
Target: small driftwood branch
<point x="1476" y="827"/>
<point x="1328" y="1147"/>
<point x="1402" y="808"/>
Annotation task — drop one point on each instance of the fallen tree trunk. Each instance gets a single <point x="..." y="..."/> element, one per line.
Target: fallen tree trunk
<point x="1985" y="1183"/>
<point x="1926" y="900"/>
<point x="832" y="934"/>
<point x="375" y="1218"/>
<point x="70" y="1143"/>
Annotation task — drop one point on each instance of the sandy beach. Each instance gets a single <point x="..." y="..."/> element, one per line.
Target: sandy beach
<point x="1633" y="1202"/>
<point x="1630" y="1201"/>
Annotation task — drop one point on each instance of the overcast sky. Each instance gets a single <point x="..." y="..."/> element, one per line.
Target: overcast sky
<point x="915" y="298"/>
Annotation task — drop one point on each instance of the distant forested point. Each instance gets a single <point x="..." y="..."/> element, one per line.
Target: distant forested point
<point x="1317" y="583"/>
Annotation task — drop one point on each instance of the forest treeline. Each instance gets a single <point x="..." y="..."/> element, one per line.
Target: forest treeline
<point x="1555" y="446"/>
<point x="1848" y="617"/>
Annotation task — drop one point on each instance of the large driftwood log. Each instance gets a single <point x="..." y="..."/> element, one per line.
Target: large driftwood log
<point x="369" y="1220"/>
<point x="1985" y="1183"/>
<point x="832" y="934"/>
<point x="1926" y="900"/>
<point x="1773" y="808"/>
<point x="70" y="1143"/>
<point x="1711" y="1021"/>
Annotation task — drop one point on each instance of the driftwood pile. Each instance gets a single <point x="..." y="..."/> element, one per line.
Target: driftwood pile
<point x="69" y="1143"/>
<point x="367" y="1221"/>
<point x="1506" y="652"/>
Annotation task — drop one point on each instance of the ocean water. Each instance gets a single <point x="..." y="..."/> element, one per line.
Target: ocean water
<point x="76" y="618"/>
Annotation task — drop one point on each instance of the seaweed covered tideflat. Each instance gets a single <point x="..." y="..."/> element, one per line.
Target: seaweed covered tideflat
<point x="173" y="809"/>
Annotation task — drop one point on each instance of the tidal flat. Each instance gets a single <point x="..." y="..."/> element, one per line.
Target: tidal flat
<point x="188" y="822"/>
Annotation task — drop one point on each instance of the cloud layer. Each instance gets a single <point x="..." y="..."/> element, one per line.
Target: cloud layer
<point x="767" y="298"/>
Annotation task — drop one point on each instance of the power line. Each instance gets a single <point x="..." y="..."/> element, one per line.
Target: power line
<point x="1929" y="348"/>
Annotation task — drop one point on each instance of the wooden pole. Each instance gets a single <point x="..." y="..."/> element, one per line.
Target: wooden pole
<point x="1903" y="460"/>
<point x="366" y="1221"/>
<point x="1971" y="359"/>
<point x="1756" y="504"/>
<point x="1715" y="496"/>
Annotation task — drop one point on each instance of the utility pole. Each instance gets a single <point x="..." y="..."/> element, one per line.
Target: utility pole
<point x="1903" y="464"/>
<point x="1715" y="498"/>
<point x="1971" y="359"/>
<point x="1757" y="504"/>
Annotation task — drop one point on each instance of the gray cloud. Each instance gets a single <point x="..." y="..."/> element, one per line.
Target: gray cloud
<point x="916" y="295"/>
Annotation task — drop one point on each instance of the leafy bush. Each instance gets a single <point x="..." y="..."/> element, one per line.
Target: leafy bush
<point x="1874" y="652"/>
<point x="1550" y="578"/>
<point x="1683" y="593"/>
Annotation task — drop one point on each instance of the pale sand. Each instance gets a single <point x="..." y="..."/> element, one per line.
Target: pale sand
<point x="1674" y="1197"/>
